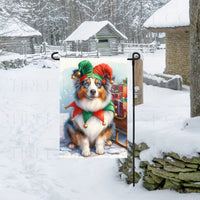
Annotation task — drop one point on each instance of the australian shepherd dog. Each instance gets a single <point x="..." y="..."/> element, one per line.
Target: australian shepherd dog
<point x="92" y="96"/>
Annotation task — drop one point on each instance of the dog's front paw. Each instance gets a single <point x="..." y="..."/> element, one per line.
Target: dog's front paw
<point x="86" y="152"/>
<point x="72" y="145"/>
<point x="108" y="143"/>
<point x="100" y="150"/>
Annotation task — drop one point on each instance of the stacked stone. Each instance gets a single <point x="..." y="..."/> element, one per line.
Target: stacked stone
<point x="139" y="148"/>
<point x="126" y="165"/>
<point x="172" y="172"/>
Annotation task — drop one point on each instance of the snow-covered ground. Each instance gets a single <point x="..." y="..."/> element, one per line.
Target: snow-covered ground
<point x="162" y="121"/>
<point x="154" y="63"/>
<point x="30" y="167"/>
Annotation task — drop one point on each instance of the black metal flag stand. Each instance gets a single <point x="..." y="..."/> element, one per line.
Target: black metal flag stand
<point x="135" y="56"/>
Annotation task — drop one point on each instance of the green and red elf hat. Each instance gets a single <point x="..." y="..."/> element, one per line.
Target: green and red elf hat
<point x="100" y="71"/>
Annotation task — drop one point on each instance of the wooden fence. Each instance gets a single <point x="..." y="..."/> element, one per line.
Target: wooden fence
<point x="122" y="48"/>
<point x="145" y="48"/>
<point x="47" y="49"/>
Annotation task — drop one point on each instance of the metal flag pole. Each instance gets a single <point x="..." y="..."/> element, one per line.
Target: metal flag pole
<point x="135" y="56"/>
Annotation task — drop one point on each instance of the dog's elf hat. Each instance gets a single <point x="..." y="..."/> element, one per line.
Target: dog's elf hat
<point x="100" y="71"/>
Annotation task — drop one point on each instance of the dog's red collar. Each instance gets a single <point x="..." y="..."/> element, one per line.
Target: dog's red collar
<point x="78" y="110"/>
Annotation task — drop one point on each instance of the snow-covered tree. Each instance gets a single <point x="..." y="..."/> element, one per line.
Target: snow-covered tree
<point x="56" y="19"/>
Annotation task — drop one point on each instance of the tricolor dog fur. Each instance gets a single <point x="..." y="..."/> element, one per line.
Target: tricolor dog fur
<point x="91" y="122"/>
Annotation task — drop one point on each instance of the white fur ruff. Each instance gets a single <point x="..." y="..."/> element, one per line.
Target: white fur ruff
<point x="93" y="105"/>
<point x="95" y="126"/>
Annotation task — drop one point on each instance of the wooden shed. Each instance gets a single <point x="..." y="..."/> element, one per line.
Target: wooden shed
<point x="99" y="36"/>
<point x="15" y="35"/>
<point x="173" y="19"/>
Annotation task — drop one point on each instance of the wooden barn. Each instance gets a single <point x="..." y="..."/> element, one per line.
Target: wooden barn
<point x="15" y="35"/>
<point x="173" y="19"/>
<point x="93" y="36"/>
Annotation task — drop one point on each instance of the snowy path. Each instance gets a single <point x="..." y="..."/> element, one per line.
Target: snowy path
<point x="30" y="167"/>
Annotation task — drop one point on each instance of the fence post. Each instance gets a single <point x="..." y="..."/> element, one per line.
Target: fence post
<point x="122" y="47"/>
<point x="65" y="46"/>
<point x="138" y="80"/>
<point x="44" y="47"/>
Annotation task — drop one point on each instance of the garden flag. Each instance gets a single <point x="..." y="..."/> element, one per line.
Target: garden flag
<point x="93" y="107"/>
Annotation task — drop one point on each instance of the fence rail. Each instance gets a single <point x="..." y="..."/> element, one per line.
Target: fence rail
<point x="45" y="48"/>
<point x="145" y="48"/>
<point x="122" y="48"/>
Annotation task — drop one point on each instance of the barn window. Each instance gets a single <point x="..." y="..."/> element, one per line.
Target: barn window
<point x="102" y="41"/>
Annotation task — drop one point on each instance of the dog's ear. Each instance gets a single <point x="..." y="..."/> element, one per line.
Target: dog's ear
<point x="113" y="78"/>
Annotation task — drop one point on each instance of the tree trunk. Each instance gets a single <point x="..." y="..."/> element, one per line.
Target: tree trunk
<point x="195" y="57"/>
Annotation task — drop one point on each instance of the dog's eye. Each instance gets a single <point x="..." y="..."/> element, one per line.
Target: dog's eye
<point x="98" y="84"/>
<point x="85" y="84"/>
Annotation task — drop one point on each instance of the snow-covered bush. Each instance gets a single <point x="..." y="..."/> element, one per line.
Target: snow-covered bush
<point x="8" y="64"/>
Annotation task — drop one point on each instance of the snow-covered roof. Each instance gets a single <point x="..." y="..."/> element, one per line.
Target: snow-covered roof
<point x="174" y="14"/>
<point x="89" y="28"/>
<point x="12" y="27"/>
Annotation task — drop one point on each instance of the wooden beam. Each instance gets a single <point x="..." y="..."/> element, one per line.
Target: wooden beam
<point x="170" y="29"/>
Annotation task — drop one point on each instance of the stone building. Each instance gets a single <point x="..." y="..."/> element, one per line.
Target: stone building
<point x="173" y="19"/>
<point x="15" y="35"/>
<point x="99" y="36"/>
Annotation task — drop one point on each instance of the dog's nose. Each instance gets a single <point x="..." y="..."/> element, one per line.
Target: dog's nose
<point x="93" y="92"/>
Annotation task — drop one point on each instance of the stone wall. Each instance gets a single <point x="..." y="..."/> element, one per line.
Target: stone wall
<point x="177" y="54"/>
<point x="126" y="165"/>
<point x="172" y="172"/>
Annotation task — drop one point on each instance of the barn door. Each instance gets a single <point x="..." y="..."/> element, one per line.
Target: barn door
<point x="103" y="47"/>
